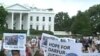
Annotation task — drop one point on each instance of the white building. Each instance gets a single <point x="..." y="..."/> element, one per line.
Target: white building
<point x="24" y="18"/>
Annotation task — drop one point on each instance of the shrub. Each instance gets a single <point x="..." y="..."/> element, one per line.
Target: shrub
<point x="15" y="31"/>
<point x="38" y="32"/>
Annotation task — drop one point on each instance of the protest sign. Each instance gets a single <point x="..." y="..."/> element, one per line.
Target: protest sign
<point x="67" y="40"/>
<point x="90" y="54"/>
<point x="14" y="41"/>
<point x="0" y="44"/>
<point x="57" y="48"/>
<point x="44" y="39"/>
<point x="22" y="53"/>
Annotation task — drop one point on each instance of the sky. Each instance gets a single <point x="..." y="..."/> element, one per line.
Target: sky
<point x="70" y="6"/>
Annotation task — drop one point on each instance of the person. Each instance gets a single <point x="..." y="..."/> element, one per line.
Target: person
<point x="7" y="52"/>
<point x="28" y="49"/>
<point x="39" y="53"/>
<point x="2" y="53"/>
<point x="15" y="53"/>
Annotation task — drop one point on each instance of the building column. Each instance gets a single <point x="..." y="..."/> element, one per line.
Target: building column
<point x="12" y="21"/>
<point x="20" y="21"/>
<point x="28" y="25"/>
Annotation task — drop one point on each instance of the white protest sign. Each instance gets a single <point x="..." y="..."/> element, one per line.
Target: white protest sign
<point x="57" y="48"/>
<point x="90" y="54"/>
<point x="45" y="38"/>
<point x="22" y="53"/>
<point x="0" y="44"/>
<point x="67" y="40"/>
<point x="14" y="41"/>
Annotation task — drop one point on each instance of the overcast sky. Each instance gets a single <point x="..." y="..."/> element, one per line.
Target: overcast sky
<point x="70" y="6"/>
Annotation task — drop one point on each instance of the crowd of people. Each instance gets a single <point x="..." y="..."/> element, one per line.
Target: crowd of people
<point x="90" y="44"/>
<point x="32" y="49"/>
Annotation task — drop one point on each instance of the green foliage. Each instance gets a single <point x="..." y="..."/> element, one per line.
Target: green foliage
<point x="88" y="22"/>
<point x="62" y="22"/>
<point x="94" y="16"/>
<point x="81" y="24"/>
<point x="3" y="14"/>
<point x="38" y="32"/>
<point x="15" y="31"/>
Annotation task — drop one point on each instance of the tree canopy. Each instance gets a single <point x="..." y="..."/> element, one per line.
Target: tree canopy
<point x="84" y="23"/>
<point x="81" y="24"/>
<point x="3" y="14"/>
<point x="62" y="22"/>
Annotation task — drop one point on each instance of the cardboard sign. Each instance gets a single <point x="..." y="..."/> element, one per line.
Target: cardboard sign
<point x="14" y="41"/>
<point x="0" y="44"/>
<point x="45" y="38"/>
<point x="57" y="48"/>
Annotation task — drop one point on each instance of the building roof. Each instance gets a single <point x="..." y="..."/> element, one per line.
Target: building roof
<point x="18" y="7"/>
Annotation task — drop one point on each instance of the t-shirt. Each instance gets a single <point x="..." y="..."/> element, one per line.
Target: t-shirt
<point x="97" y="41"/>
<point x="8" y="53"/>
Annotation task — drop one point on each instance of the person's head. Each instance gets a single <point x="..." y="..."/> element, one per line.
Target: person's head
<point x="15" y="53"/>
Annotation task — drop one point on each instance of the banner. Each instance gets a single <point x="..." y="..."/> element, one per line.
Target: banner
<point x="45" y="38"/>
<point x="14" y="41"/>
<point x="57" y="48"/>
<point x="0" y="44"/>
<point x="65" y="39"/>
<point x="90" y="54"/>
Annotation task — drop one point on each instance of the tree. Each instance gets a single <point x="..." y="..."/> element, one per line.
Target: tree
<point x="94" y="16"/>
<point x="3" y="14"/>
<point x="62" y="21"/>
<point x="66" y="22"/>
<point x="81" y="24"/>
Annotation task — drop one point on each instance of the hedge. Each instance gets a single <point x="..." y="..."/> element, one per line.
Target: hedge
<point x="15" y="31"/>
<point x="38" y="32"/>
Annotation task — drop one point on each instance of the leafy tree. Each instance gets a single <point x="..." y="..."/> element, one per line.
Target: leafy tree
<point x="59" y="21"/>
<point x="3" y="14"/>
<point x="62" y="21"/>
<point x="94" y="16"/>
<point x="66" y="22"/>
<point x="81" y="24"/>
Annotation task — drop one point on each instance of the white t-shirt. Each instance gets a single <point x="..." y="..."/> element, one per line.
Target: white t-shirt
<point x="97" y="42"/>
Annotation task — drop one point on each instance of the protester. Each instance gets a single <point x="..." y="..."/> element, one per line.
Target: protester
<point x="2" y="53"/>
<point x="7" y="52"/>
<point x="15" y="53"/>
<point x="28" y="49"/>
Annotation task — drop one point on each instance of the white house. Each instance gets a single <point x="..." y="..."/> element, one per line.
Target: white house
<point x="24" y="18"/>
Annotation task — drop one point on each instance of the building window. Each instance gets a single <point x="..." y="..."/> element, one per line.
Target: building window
<point x="22" y="27"/>
<point x="14" y="28"/>
<point x="43" y="28"/>
<point x="31" y="18"/>
<point x="7" y="26"/>
<point x="49" y="27"/>
<point x="43" y="18"/>
<point x="30" y="26"/>
<point x="37" y="18"/>
<point x="22" y="18"/>
<point x="37" y="27"/>
<point x="49" y="18"/>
